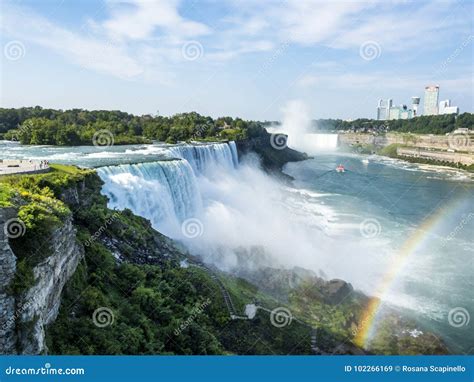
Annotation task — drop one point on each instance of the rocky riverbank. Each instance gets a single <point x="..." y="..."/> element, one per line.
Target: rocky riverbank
<point x="455" y="149"/>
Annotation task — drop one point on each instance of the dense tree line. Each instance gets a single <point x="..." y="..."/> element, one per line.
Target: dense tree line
<point x="433" y="124"/>
<point x="35" y="125"/>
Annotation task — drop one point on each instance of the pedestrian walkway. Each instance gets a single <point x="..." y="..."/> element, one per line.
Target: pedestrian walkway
<point x="251" y="309"/>
<point x="18" y="166"/>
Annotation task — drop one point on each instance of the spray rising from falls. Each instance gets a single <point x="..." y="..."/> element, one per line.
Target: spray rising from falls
<point x="243" y="213"/>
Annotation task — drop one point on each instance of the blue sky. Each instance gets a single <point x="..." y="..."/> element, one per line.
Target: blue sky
<point x="234" y="57"/>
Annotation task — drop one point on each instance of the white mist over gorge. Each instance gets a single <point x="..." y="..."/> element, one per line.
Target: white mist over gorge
<point x="297" y="124"/>
<point x="241" y="209"/>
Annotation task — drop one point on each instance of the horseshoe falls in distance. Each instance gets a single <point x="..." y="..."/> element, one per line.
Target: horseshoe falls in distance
<point x="166" y="192"/>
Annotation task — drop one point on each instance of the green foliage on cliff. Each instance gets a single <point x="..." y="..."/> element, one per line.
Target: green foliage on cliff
<point x="6" y="194"/>
<point x="38" y="126"/>
<point x="141" y="307"/>
<point x="39" y="213"/>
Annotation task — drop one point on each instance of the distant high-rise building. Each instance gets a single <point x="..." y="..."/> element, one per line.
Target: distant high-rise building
<point x="382" y="110"/>
<point x="430" y="106"/>
<point x="386" y="111"/>
<point x="415" y="103"/>
<point x="400" y="112"/>
<point x="446" y="108"/>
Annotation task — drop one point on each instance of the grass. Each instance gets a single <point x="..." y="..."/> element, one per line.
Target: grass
<point x="389" y="151"/>
<point x="73" y="170"/>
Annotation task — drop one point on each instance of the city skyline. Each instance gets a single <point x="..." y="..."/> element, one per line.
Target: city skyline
<point x="242" y="59"/>
<point x="387" y="110"/>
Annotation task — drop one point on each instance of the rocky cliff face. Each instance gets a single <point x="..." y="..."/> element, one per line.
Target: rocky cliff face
<point x="24" y="316"/>
<point x="7" y="273"/>
<point x="428" y="141"/>
<point x="272" y="150"/>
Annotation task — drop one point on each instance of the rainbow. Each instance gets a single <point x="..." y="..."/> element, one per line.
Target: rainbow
<point x="409" y="247"/>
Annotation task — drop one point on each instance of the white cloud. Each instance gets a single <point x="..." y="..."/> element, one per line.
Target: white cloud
<point x="309" y="22"/>
<point x="387" y="80"/>
<point x="143" y="38"/>
<point x="243" y="47"/>
<point x="138" y="19"/>
<point x="89" y="52"/>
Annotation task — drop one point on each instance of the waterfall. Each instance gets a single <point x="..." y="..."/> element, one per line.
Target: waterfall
<point x="321" y="141"/>
<point x="203" y="156"/>
<point x="166" y="192"/>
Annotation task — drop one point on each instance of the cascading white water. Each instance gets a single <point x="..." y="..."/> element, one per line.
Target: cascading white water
<point x="166" y="192"/>
<point x="201" y="157"/>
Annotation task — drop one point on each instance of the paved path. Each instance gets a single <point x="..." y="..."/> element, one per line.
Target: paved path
<point x="17" y="166"/>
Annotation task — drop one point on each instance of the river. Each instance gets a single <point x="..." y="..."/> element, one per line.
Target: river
<point x="399" y="231"/>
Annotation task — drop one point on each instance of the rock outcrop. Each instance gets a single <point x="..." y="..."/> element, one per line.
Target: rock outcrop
<point x="7" y="273"/>
<point x="279" y="282"/>
<point x="335" y="291"/>
<point x="272" y="150"/>
<point x="24" y="316"/>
